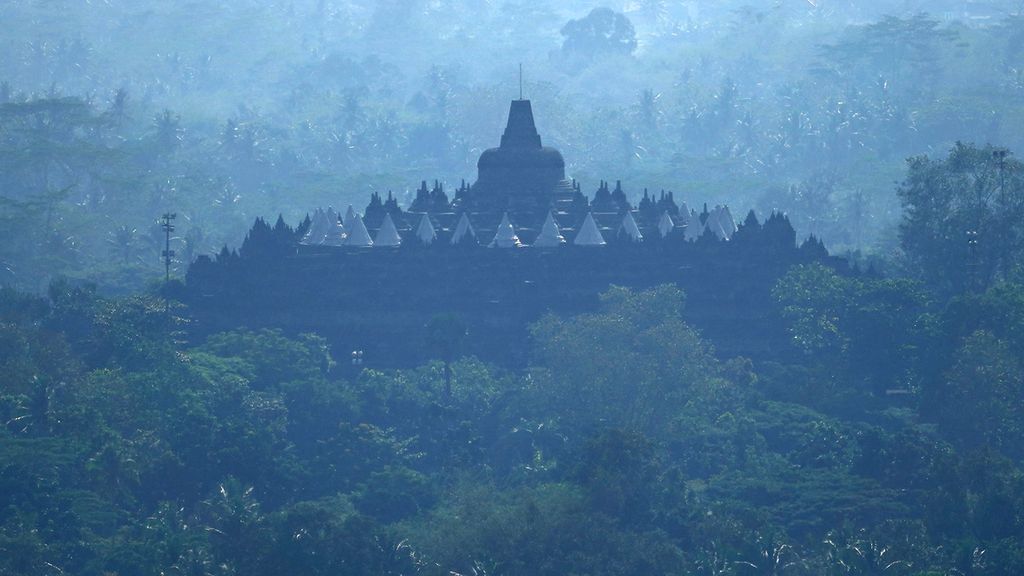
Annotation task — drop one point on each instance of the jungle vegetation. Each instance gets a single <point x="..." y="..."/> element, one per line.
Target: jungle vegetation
<point x="885" y="438"/>
<point x="112" y="113"/>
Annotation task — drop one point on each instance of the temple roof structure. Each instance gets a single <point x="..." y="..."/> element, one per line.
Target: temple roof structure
<point x="550" y="236"/>
<point x="505" y="235"/>
<point x="521" y="174"/>
<point x="521" y="182"/>
<point x="387" y="235"/>
<point x="464" y="231"/>
<point x="630" y="229"/>
<point x="350" y="214"/>
<point x="425" y="232"/>
<point x="358" y="236"/>
<point x="665" y="225"/>
<point x="318" y="229"/>
<point x="589" y="234"/>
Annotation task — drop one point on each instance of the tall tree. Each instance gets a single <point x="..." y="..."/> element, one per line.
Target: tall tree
<point x="601" y="32"/>
<point x="963" y="224"/>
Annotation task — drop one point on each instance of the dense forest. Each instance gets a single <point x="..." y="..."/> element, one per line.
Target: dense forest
<point x="887" y="441"/>
<point x="885" y="438"/>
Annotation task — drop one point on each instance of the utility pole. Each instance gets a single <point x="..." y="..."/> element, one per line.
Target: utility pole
<point x="972" y="260"/>
<point x="1000" y="157"/>
<point x="168" y="255"/>
<point x="1002" y="231"/>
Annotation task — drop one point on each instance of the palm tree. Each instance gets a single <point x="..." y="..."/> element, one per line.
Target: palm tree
<point x="862" y="556"/>
<point x="772" y="559"/>
<point x="123" y="241"/>
<point x="168" y="129"/>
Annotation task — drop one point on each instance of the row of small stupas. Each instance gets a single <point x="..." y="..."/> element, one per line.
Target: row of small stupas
<point x="521" y="197"/>
<point x="392" y="226"/>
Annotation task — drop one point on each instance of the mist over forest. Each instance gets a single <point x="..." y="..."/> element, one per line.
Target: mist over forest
<point x="223" y="112"/>
<point x="755" y="307"/>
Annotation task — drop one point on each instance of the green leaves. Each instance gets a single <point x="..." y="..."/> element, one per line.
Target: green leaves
<point x="269" y="359"/>
<point x="961" y="228"/>
<point x="876" y="330"/>
<point x="634" y="364"/>
<point x="980" y="399"/>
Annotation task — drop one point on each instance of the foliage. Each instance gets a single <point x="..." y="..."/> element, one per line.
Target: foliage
<point x="980" y="393"/>
<point x="111" y="115"/>
<point x="603" y="31"/>
<point x="882" y="436"/>
<point x="628" y="447"/>
<point x="874" y="331"/>
<point x="634" y="364"/>
<point x="962" y="216"/>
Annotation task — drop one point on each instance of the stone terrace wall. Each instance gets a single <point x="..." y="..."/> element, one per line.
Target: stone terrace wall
<point x="380" y="300"/>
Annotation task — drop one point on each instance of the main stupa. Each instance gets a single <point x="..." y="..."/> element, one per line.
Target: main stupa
<point x="521" y="176"/>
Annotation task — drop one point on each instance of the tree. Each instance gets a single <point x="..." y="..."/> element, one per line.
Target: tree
<point x="602" y="32"/>
<point x="963" y="223"/>
<point x="981" y="397"/>
<point x="871" y="330"/>
<point x="898" y="49"/>
<point x="268" y="359"/>
<point x="168" y="131"/>
<point x="633" y="365"/>
<point x="545" y="530"/>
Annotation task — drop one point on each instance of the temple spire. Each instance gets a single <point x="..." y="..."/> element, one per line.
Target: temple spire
<point x="520" y="132"/>
<point x="520" y="80"/>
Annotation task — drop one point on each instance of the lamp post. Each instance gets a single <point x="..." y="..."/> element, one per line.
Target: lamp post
<point x="168" y="256"/>
<point x="1001" y="209"/>
<point x="972" y="259"/>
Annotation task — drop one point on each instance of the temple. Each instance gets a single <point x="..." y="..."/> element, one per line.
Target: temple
<point x="521" y="198"/>
<point x="521" y="241"/>
<point x="521" y="176"/>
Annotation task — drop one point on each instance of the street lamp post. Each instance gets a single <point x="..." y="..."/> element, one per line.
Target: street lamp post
<point x="168" y="256"/>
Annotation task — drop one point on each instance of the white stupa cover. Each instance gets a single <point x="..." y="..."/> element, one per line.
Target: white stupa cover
<point x="695" y="229"/>
<point x="425" y="231"/>
<point x="308" y="236"/>
<point x="549" y="236"/>
<point x="589" y="234"/>
<point x="358" y="236"/>
<point x="317" y="229"/>
<point x="387" y="234"/>
<point x="505" y="235"/>
<point x="714" y="223"/>
<point x="630" y="228"/>
<point x="728" y="222"/>
<point x="336" y="232"/>
<point x="462" y="229"/>
<point x="350" y="215"/>
<point x="665" y="225"/>
<point x="684" y="218"/>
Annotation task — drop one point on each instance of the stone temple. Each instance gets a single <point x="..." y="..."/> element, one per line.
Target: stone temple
<point x="521" y="241"/>
<point x="521" y="176"/>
